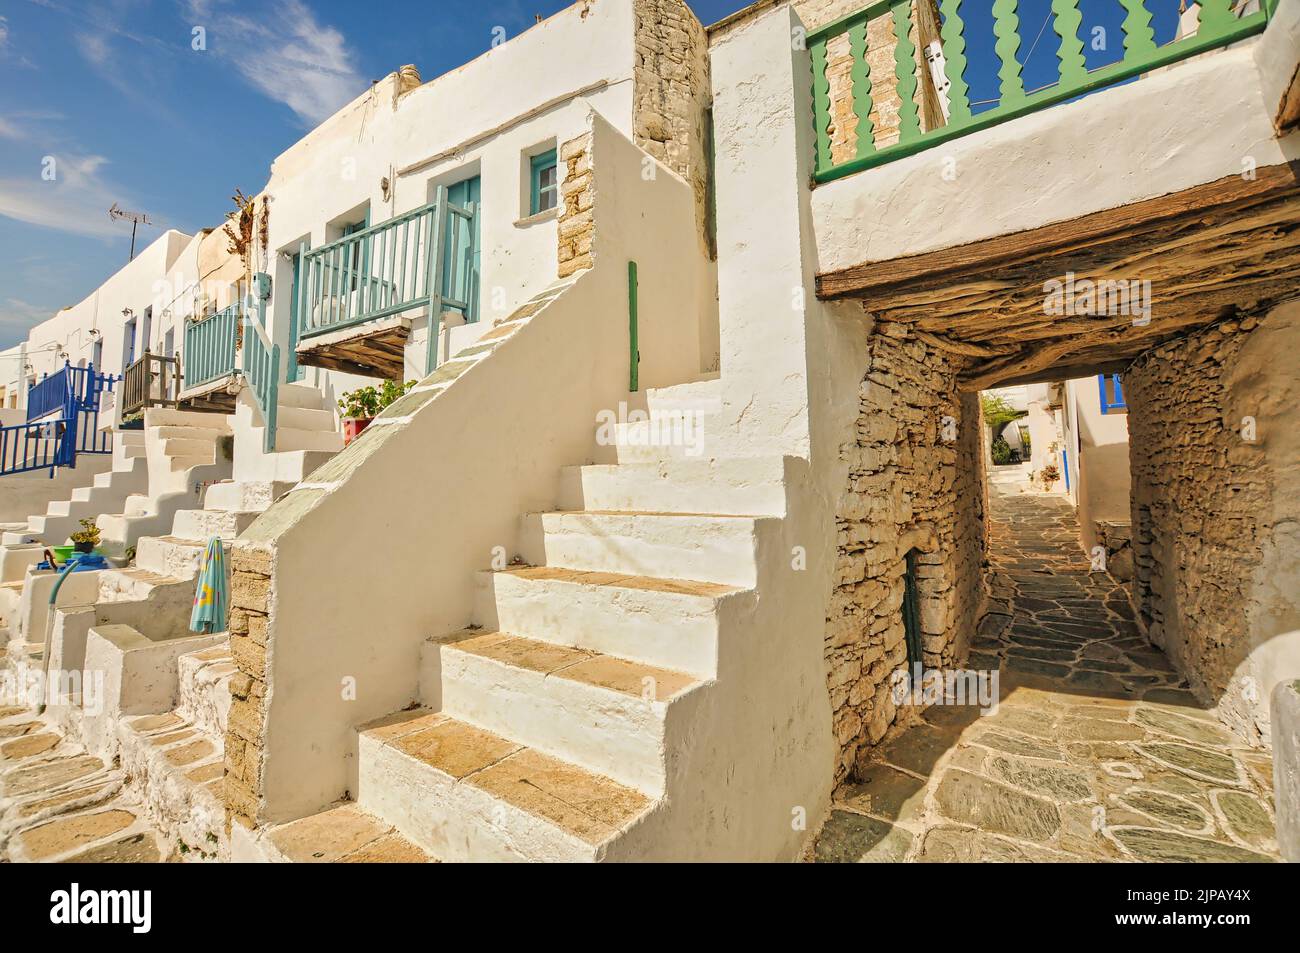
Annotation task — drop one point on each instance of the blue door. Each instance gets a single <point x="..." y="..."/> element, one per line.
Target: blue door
<point x="460" y="278"/>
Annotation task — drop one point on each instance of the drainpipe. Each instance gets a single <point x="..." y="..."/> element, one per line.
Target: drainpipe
<point x="49" y="626"/>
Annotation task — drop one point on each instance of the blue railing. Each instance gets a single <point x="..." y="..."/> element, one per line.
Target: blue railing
<point x="56" y="432"/>
<point x="386" y="269"/>
<point x="1112" y="394"/>
<point x="50" y="395"/>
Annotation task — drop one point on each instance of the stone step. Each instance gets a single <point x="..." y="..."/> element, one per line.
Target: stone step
<point x="465" y="794"/>
<point x="301" y="395"/>
<point x="204" y="524"/>
<point x="702" y="396"/>
<point x="344" y="834"/>
<point x="289" y="439"/>
<point x="181" y="464"/>
<point x="290" y="466"/>
<point x="172" y="417"/>
<point x="670" y="436"/>
<point x="197" y="447"/>
<point x="204" y="679"/>
<point x="245" y="497"/>
<point x="739" y="486"/>
<point x="708" y="548"/>
<point x="600" y="712"/>
<point x="140" y="585"/>
<point x="305" y="418"/>
<point x="175" y="432"/>
<point x="176" y="769"/>
<point x="672" y="623"/>
<point x="169" y="556"/>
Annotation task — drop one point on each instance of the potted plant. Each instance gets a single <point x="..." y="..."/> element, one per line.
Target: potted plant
<point x="364" y="404"/>
<point x="85" y="539"/>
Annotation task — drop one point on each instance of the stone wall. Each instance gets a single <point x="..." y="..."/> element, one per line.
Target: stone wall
<point x="672" y="95"/>
<point x="250" y="595"/>
<point x="1215" y="461"/>
<point x="577" y="222"/>
<point x="914" y="482"/>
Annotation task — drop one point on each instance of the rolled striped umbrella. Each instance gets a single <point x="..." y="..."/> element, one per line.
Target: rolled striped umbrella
<point x="210" y="598"/>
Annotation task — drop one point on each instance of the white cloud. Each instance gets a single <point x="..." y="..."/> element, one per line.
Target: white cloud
<point x="4" y="35"/>
<point x="8" y="130"/>
<point x="17" y="317"/>
<point x="75" y="201"/>
<point x="94" y="48"/>
<point x="288" y="55"/>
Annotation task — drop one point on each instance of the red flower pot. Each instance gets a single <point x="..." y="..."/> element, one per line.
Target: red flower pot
<point x="352" y="427"/>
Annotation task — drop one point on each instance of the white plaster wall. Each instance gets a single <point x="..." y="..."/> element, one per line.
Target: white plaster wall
<point x="1277" y="54"/>
<point x="134" y="286"/>
<point x="464" y="469"/>
<point x="334" y="172"/>
<point x="1104" y="485"/>
<point x="1190" y="124"/>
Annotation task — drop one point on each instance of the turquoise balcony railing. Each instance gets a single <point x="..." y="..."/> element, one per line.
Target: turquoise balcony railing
<point x="851" y="89"/>
<point x="210" y="345"/>
<point x="260" y="364"/>
<point x="396" y="266"/>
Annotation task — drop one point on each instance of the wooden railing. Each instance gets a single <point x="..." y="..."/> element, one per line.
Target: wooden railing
<point x="138" y="383"/>
<point x="260" y="363"/>
<point x="210" y="345"/>
<point x="395" y="266"/>
<point x="839" y="93"/>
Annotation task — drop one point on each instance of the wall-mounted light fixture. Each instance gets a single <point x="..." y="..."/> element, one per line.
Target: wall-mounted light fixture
<point x="95" y="334"/>
<point x="128" y="313"/>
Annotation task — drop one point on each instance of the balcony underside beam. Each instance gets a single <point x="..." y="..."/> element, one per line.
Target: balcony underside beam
<point x="1229" y="247"/>
<point x="374" y="349"/>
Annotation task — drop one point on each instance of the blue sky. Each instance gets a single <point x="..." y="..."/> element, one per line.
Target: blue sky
<point x="113" y="90"/>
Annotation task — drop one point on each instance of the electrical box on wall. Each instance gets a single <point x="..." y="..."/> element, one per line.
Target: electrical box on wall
<point x="262" y="286"/>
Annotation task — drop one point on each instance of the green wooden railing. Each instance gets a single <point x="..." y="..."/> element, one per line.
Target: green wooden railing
<point x="210" y="344"/>
<point x="260" y="363"/>
<point x="1218" y="25"/>
<point x="386" y="269"/>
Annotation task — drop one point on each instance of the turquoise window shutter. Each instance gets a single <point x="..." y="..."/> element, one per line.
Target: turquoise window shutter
<point x="545" y="188"/>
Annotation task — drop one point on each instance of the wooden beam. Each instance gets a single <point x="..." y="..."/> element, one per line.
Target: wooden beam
<point x="980" y="260"/>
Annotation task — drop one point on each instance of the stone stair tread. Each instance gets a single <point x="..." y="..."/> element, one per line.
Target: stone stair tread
<point x="587" y="806"/>
<point x="684" y="587"/>
<point x="579" y="665"/>
<point x="344" y="834"/>
<point x="666" y="513"/>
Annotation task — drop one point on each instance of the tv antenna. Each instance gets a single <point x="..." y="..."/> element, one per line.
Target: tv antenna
<point x="135" y="218"/>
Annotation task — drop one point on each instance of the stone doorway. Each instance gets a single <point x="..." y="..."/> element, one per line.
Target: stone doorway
<point x="1097" y="750"/>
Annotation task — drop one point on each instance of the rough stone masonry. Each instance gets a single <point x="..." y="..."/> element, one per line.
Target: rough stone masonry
<point x="1216" y="508"/>
<point x="914" y="483"/>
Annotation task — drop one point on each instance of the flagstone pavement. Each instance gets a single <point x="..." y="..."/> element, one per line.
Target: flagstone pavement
<point x="1097" y="751"/>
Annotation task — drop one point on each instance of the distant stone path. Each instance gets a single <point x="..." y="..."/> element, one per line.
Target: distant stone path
<point x="1096" y="752"/>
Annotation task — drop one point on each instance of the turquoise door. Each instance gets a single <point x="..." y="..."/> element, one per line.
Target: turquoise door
<point x="460" y="280"/>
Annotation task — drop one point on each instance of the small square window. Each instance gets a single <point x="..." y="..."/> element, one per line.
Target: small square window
<point x="545" y="188"/>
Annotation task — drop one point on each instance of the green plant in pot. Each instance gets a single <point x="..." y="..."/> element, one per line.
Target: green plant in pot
<point x="85" y="539"/>
<point x="360" y="406"/>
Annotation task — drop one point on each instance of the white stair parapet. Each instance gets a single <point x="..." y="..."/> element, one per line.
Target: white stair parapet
<point x="139" y="677"/>
<point x="233" y="497"/>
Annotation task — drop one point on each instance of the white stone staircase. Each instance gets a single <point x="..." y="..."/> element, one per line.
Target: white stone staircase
<point x="186" y="452"/>
<point x="110" y="491"/>
<point x="562" y="726"/>
<point x="138" y="629"/>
